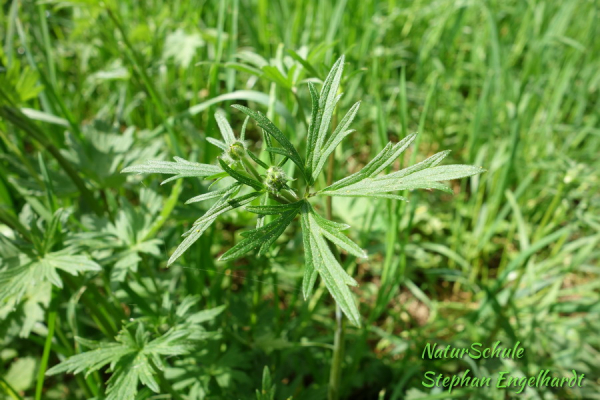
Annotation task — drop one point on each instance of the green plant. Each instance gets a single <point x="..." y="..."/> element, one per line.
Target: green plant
<point x="238" y="167"/>
<point x="94" y="87"/>
<point x="137" y="357"/>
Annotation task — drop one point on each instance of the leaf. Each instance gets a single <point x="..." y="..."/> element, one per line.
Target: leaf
<point x="16" y="280"/>
<point x="304" y="63"/>
<point x="336" y="138"/>
<point x="182" y="47"/>
<point x="225" y="128"/>
<point x="332" y="232"/>
<point x="244" y="126"/>
<point x="312" y="131"/>
<point x="130" y="358"/>
<point x="205" y="315"/>
<point x="128" y="262"/>
<point x="260" y="220"/>
<point x="383" y="159"/>
<point x="320" y="258"/>
<point x="180" y="169"/>
<point x="272" y="210"/>
<point x="427" y="163"/>
<point x="217" y="142"/>
<point x="310" y="272"/>
<point x="256" y="159"/>
<point x="276" y="76"/>
<point x="328" y="99"/>
<point x="243" y="68"/>
<point x="424" y="175"/>
<point x="425" y="179"/>
<point x="268" y="388"/>
<point x="266" y="235"/>
<point x="201" y="225"/>
<point x="210" y="195"/>
<point x="273" y="131"/>
<point x="93" y="360"/>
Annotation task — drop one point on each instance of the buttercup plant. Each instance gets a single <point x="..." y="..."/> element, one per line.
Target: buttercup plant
<point x="241" y="164"/>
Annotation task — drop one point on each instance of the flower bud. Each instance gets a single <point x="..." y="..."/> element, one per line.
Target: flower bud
<point x="275" y="179"/>
<point x="236" y="151"/>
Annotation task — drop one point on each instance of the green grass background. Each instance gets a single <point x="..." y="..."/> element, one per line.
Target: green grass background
<point x="512" y="86"/>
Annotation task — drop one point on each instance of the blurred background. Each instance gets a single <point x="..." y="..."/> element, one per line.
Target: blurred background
<point x="512" y="86"/>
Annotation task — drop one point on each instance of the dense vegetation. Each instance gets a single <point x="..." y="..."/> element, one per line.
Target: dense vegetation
<point x="89" y="89"/>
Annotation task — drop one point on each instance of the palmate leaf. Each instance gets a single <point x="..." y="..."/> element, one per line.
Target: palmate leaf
<point x="424" y="175"/>
<point x="180" y="169"/>
<point x="130" y="359"/>
<point x="379" y="163"/>
<point x="263" y="237"/>
<point x="320" y="260"/>
<point x="15" y="280"/>
<point x="223" y="205"/>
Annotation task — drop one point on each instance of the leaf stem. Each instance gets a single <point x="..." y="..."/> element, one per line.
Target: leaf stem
<point x="335" y="375"/>
<point x="250" y="168"/>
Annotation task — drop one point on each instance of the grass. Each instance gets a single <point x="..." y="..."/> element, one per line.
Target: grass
<point x="512" y="255"/>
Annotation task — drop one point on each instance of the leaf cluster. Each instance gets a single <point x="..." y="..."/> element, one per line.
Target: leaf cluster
<point x="138" y="357"/>
<point x="240" y="166"/>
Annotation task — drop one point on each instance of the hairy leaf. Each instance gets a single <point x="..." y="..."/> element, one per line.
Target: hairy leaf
<point x="201" y="225"/>
<point x="273" y="131"/>
<point x="383" y="159"/>
<point x="225" y="128"/>
<point x="320" y="258"/>
<point x="336" y="137"/>
<point x="16" y="280"/>
<point x="322" y="112"/>
<point x="211" y="195"/>
<point x="264" y="236"/>
<point x="180" y="169"/>
<point x="427" y="178"/>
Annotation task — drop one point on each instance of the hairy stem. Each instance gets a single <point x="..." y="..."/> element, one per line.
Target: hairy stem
<point x="335" y="375"/>
<point x="250" y="168"/>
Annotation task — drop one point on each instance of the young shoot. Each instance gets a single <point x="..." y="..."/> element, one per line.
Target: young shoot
<point x="255" y="190"/>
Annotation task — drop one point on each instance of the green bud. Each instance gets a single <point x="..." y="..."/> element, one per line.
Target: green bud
<point x="237" y="150"/>
<point x="275" y="180"/>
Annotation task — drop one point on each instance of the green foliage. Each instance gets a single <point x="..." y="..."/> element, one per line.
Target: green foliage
<point x="28" y="272"/>
<point x="88" y="89"/>
<point x="319" y="258"/>
<point x="133" y="358"/>
<point x="268" y="389"/>
<point x="179" y="169"/>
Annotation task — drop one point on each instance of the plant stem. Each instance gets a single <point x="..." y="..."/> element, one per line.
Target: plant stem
<point x="335" y="375"/>
<point x="250" y="168"/>
<point x="44" y="363"/>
